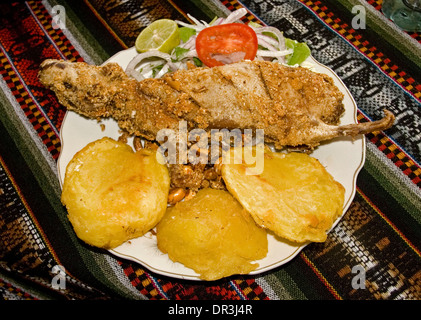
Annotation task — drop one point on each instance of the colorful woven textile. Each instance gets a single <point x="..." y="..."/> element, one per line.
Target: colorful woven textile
<point x="380" y="232"/>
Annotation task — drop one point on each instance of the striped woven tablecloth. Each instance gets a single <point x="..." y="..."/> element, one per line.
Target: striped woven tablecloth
<point x="381" y="231"/>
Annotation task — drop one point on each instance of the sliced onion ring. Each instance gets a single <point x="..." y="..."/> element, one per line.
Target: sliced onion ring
<point x="235" y="15"/>
<point x="131" y="67"/>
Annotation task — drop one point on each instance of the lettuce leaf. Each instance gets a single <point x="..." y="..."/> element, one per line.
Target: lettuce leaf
<point x="186" y="33"/>
<point x="301" y="51"/>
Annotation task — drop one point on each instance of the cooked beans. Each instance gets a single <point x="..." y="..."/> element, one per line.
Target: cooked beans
<point x="176" y="195"/>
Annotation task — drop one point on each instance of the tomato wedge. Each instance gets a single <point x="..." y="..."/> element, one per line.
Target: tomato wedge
<point x="226" y="43"/>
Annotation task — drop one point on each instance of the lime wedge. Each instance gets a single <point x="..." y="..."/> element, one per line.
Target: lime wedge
<point x="160" y="35"/>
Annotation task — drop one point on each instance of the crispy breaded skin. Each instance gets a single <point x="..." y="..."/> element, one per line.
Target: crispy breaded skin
<point x="295" y="106"/>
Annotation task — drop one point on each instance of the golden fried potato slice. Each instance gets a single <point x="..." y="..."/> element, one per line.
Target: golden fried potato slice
<point x="113" y="194"/>
<point x="294" y="196"/>
<point x="213" y="235"/>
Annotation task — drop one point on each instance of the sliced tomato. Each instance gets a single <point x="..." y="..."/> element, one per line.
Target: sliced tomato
<point x="226" y="43"/>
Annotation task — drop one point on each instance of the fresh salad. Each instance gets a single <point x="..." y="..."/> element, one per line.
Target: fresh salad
<point x="222" y="41"/>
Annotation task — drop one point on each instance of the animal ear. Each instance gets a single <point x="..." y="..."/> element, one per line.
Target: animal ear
<point x="111" y="70"/>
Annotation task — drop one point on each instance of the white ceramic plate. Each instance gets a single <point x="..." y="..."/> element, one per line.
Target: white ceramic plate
<point x="343" y="158"/>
